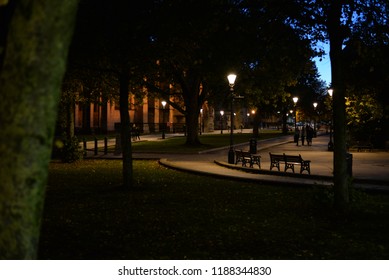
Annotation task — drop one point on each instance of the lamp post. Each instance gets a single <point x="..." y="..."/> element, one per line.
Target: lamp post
<point x="330" y="143"/>
<point x="295" y="99"/>
<point x="231" y="154"/>
<point x="201" y="120"/>
<point x="314" y="119"/>
<point x="221" y="121"/>
<point x="163" y="118"/>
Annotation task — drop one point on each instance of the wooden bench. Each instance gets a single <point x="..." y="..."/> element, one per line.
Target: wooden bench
<point x="290" y="161"/>
<point x="363" y="146"/>
<point x="247" y="157"/>
<point x="360" y="146"/>
<point x="135" y="134"/>
<point x="275" y="160"/>
<point x="255" y="159"/>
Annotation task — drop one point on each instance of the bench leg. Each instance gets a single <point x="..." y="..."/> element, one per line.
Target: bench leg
<point x="305" y="166"/>
<point x="289" y="166"/>
<point x="275" y="164"/>
<point x="256" y="161"/>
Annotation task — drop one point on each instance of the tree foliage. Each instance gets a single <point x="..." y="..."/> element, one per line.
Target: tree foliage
<point x="367" y="78"/>
<point x="196" y="48"/>
<point x="337" y="22"/>
<point x="193" y="46"/>
<point x="107" y="56"/>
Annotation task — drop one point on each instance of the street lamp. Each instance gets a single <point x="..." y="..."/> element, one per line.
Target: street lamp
<point x="314" y="119"/>
<point x="163" y="118"/>
<point x="221" y="121"/>
<point x="231" y="154"/>
<point x="330" y="143"/>
<point x="201" y="120"/>
<point x="295" y="99"/>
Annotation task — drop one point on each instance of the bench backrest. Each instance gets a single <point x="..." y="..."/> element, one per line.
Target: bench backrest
<point x="290" y="158"/>
<point x="275" y="157"/>
<point x="240" y="153"/>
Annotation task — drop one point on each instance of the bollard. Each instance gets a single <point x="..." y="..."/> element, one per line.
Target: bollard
<point x="105" y="145"/>
<point x="84" y="145"/>
<point x="96" y="148"/>
<point x="253" y="146"/>
<point x="118" y="144"/>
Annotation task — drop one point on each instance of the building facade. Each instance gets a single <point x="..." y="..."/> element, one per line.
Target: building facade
<point x="148" y="115"/>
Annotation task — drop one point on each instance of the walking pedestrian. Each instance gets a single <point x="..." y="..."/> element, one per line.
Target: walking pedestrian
<point x="309" y="132"/>
<point x="296" y="136"/>
<point x="302" y="135"/>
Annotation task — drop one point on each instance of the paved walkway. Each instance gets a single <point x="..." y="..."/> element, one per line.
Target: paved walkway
<point x="370" y="169"/>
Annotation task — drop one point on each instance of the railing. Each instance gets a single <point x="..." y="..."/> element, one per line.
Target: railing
<point x="97" y="146"/>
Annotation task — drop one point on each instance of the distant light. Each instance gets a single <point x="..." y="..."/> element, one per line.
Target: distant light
<point x="295" y="99"/>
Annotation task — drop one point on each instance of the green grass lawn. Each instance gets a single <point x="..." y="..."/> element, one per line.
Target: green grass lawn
<point x="176" y="215"/>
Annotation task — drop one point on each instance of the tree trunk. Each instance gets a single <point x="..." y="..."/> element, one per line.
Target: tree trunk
<point x="341" y="177"/>
<point x="69" y="126"/>
<point x="192" y="124"/>
<point x="30" y="85"/>
<point x="284" y="122"/>
<point x="125" y="130"/>
<point x="192" y="119"/>
<point x="104" y="115"/>
<point x="86" y="128"/>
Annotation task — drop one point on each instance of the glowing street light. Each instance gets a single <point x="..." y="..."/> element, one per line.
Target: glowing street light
<point x="295" y="99"/>
<point x="231" y="154"/>
<point x="314" y="120"/>
<point x="163" y="118"/>
<point x="221" y="121"/>
<point x="330" y="143"/>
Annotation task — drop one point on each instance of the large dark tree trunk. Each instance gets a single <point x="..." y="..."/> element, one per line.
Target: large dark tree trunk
<point x="192" y="117"/>
<point x="125" y="130"/>
<point x="30" y="84"/>
<point x="341" y="177"/>
<point x="192" y="124"/>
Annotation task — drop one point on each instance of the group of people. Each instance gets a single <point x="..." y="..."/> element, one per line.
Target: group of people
<point x="305" y="133"/>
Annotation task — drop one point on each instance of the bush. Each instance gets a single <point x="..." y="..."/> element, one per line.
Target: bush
<point x="67" y="149"/>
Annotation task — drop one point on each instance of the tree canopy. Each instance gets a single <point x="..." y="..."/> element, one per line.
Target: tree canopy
<point x="337" y="22"/>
